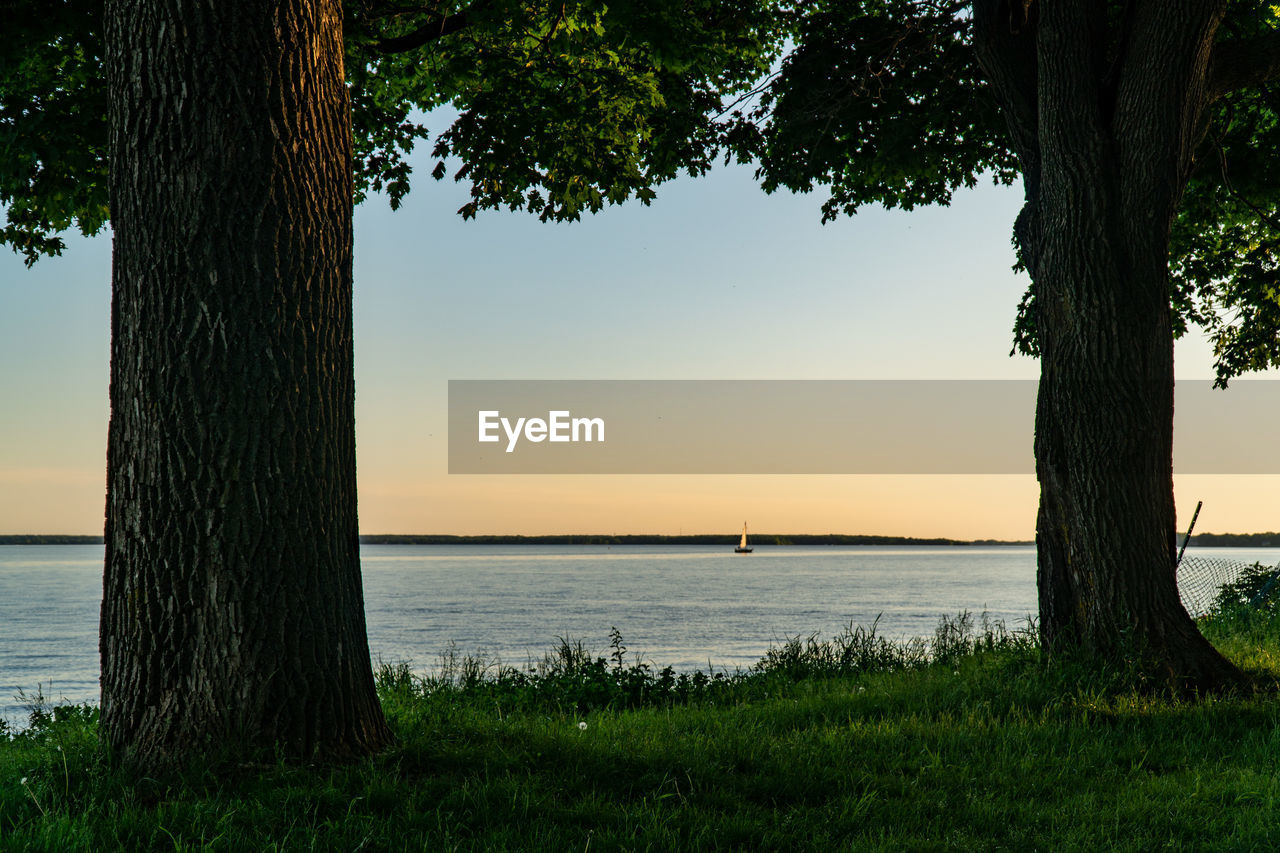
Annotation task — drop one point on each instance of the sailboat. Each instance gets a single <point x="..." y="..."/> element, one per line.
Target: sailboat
<point x="742" y="544"/>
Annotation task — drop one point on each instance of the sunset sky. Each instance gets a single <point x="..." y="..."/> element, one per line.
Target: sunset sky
<point x="715" y="280"/>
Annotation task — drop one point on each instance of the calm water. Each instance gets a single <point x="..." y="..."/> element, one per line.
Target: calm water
<point x="687" y="606"/>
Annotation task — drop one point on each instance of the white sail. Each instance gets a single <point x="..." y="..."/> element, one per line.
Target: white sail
<point x="743" y="543"/>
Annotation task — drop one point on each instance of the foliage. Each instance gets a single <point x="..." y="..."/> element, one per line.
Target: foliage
<point x="568" y="680"/>
<point x="883" y="102"/>
<point x="571" y="680"/>
<point x="1256" y="590"/>
<point x="53" y="129"/>
<point x="1225" y="246"/>
<point x="561" y="107"/>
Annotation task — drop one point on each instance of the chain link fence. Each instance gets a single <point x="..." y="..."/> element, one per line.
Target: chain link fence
<point x="1201" y="578"/>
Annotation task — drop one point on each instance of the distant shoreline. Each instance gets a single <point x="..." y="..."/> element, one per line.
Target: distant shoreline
<point x="1207" y="540"/>
<point x="656" y="539"/>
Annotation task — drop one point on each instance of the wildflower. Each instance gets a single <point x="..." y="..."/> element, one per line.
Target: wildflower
<point x="22" y="781"/>
<point x="861" y="689"/>
<point x="582" y="726"/>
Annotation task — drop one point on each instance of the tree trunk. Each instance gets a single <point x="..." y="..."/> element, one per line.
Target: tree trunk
<point x="1104" y="114"/>
<point x="1106" y="535"/>
<point x="232" y="611"/>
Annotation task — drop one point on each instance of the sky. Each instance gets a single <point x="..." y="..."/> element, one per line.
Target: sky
<point x="714" y="280"/>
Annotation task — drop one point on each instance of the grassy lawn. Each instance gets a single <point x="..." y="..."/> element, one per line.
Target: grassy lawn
<point x="849" y="744"/>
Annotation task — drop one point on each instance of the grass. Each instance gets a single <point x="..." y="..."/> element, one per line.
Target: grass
<point x="853" y="743"/>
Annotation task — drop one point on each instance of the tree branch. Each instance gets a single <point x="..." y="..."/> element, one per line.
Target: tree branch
<point x="436" y="28"/>
<point x="1239" y="63"/>
<point x="1004" y="42"/>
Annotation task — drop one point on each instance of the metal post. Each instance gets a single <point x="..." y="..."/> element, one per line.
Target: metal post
<point x="1190" y="528"/>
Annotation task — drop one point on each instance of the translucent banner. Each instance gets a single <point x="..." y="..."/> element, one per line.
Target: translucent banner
<point x="813" y="427"/>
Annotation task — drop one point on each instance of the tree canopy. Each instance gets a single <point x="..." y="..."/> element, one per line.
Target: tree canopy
<point x="562" y="108"/>
<point x="885" y="102"/>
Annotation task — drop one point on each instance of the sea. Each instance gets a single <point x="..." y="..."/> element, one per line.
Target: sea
<point x="686" y="606"/>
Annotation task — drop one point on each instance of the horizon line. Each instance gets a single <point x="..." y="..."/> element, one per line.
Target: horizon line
<point x="673" y="538"/>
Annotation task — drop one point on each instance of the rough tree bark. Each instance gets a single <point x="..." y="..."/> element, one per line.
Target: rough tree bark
<point x="1105" y="114"/>
<point x="232" y="613"/>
